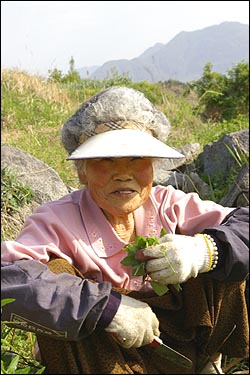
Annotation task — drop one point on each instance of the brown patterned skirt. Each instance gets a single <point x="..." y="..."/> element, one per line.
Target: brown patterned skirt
<point x="194" y="321"/>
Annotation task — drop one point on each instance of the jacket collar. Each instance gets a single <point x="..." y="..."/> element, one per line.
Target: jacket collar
<point x="102" y="237"/>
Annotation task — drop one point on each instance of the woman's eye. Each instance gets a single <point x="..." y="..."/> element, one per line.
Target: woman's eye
<point x="106" y="159"/>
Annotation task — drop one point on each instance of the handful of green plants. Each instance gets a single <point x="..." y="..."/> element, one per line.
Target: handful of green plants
<point x="139" y="266"/>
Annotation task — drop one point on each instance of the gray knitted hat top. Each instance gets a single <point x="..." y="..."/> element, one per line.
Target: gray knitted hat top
<point x="117" y="122"/>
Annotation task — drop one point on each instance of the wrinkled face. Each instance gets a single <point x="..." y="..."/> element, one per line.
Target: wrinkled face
<point x="119" y="185"/>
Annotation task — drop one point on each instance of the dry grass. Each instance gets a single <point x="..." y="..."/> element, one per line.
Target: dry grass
<point x="11" y="224"/>
<point x="24" y="83"/>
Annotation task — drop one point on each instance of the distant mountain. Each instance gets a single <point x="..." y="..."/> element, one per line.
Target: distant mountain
<point x="86" y="71"/>
<point x="184" y="57"/>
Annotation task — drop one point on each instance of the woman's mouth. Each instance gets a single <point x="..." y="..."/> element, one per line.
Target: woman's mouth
<point x="124" y="192"/>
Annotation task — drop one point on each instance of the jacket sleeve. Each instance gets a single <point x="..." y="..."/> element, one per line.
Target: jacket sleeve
<point x="62" y="306"/>
<point x="232" y="238"/>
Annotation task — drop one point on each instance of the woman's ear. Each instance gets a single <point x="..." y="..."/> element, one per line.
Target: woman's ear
<point x="82" y="177"/>
<point x="81" y="171"/>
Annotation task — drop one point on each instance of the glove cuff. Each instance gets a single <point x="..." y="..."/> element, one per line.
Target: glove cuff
<point x="211" y="253"/>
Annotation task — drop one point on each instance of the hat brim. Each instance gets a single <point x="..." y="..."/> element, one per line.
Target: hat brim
<point x="123" y="143"/>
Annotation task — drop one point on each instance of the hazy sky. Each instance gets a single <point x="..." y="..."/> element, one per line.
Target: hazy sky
<point x="41" y="35"/>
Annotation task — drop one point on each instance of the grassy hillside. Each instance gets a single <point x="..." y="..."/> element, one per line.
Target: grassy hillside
<point x="33" y="112"/>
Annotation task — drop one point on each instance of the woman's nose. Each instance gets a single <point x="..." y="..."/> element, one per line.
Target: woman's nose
<point x="122" y="173"/>
<point x="122" y="177"/>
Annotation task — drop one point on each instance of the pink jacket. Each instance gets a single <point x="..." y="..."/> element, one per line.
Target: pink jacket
<point x="75" y="228"/>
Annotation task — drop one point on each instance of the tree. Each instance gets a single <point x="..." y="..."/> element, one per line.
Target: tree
<point x="223" y="96"/>
<point x="73" y="75"/>
<point x="238" y="90"/>
<point x="55" y="75"/>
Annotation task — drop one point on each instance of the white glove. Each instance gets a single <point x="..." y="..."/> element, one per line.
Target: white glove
<point x="178" y="258"/>
<point x="134" y="323"/>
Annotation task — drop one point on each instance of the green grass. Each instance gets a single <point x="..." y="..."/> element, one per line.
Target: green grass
<point x="13" y="197"/>
<point x="17" y="349"/>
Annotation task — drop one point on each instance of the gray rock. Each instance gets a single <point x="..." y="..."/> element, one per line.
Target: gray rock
<point x="238" y="194"/>
<point x="42" y="179"/>
<point x="216" y="160"/>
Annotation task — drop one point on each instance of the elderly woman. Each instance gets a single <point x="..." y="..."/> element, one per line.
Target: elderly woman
<point x="65" y="270"/>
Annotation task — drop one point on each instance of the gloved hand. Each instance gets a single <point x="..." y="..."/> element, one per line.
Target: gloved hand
<point x="177" y="258"/>
<point x="134" y="323"/>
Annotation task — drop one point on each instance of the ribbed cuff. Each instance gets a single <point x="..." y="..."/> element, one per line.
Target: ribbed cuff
<point x="110" y="310"/>
<point x="203" y="259"/>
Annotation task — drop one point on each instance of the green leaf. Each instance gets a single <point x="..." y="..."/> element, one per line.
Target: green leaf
<point x="150" y="241"/>
<point x="177" y="287"/>
<point x="13" y="365"/>
<point x="3" y="370"/>
<point x="5" y="301"/>
<point x="139" y="269"/>
<point x="160" y="289"/>
<point x="26" y="370"/>
<point x="129" y="260"/>
<point x="163" y="232"/>
<point x="40" y="371"/>
<point x="131" y="249"/>
<point x="140" y="242"/>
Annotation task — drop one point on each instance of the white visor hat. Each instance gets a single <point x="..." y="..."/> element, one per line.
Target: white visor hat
<point x="123" y="143"/>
